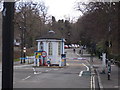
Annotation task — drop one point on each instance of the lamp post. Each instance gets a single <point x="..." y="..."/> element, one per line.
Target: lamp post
<point x="108" y="46"/>
<point x="23" y="48"/>
<point x="24" y="54"/>
<point x="21" y="44"/>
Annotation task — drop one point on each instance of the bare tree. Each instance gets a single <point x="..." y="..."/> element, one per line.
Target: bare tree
<point x="28" y="17"/>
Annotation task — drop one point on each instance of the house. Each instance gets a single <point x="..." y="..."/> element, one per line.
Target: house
<point x="53" y="45"/>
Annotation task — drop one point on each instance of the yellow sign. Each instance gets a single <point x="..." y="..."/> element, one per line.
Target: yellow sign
<point x="39" y="54"/>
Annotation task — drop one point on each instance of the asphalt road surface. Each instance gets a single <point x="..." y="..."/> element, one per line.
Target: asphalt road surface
<point x="75" y="75"/>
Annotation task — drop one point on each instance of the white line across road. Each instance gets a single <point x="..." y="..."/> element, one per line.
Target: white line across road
<point x="20" y="66"/>
<point x="76" y="58"/>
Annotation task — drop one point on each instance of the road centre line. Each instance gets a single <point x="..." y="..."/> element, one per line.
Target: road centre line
<point x="26" y="78"/>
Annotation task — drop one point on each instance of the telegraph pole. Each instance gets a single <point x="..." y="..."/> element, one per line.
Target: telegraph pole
<point x="7" y="43"/>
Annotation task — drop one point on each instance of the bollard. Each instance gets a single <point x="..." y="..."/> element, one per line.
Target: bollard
<point x="48" y="65"/>
<point x="108" y="75"/>
<point x="48" y="62"/>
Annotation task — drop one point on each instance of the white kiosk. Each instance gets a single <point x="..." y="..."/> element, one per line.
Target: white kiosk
<point x="53" y="45"/>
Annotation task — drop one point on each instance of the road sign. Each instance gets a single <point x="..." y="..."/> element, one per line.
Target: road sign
<point x="44" y="54"/>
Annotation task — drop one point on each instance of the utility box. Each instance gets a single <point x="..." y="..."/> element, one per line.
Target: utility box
<point x="63" y="57"/>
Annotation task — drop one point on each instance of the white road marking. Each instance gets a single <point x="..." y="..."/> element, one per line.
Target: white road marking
<point x="34" y="69"/>
<point x="23" y="66"/>
<point x="55" y="69"/>
<point x="80" y="74"/>
<point x="78" y="54"/>
<point x="26" y="78"/>
<point x="116" y="86"/>
<point x="67" y="64"/>
<point x="86" y="66"/>
<point x="36" y="72"/>
<point x="46" y="70"/>
<point x="92" y="82"/>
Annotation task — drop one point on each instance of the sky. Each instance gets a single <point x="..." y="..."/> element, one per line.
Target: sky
<point x="62" y="9"/>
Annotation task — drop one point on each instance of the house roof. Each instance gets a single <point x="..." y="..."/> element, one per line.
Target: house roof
<point x="51" y="35"/>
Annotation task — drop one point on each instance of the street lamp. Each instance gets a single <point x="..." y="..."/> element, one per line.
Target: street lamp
<point x="23" y="48"/>
<point x="24" y="53"/>
<point x="21" y="44"/>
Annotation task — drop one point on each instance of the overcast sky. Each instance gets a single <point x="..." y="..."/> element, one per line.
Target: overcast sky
<point x="62" y="9"/>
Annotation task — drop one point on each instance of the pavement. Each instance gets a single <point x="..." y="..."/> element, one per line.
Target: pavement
<point x="103" y="81"/>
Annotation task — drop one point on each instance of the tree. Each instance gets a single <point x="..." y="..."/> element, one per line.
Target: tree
<point x="99" y="23"/>
<point x="29" y="17"/>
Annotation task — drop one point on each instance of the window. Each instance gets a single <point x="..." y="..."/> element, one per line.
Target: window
<point x="59" y="48"/>
<point x="50" y="48"/>
<point x="41" y="46"/>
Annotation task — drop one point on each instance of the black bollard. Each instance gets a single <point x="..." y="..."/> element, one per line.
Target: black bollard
<point x="108" y="75"/>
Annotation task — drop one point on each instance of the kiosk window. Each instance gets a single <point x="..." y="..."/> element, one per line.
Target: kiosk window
<point x="50" y="49"/>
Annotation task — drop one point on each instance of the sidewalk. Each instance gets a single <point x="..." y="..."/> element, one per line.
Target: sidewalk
<point x="104" y="82"/>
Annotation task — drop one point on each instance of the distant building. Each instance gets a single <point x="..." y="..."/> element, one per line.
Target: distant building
<point x="53" y="45"/>
<point x="0" y="36"/>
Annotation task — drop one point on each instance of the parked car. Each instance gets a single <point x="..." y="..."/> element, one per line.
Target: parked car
<point x="65" y="46"/>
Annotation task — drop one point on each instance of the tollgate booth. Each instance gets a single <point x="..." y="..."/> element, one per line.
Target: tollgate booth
<point x="50" y="49"/>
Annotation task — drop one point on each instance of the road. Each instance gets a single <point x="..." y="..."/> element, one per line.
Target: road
<point x="75" y="75"/>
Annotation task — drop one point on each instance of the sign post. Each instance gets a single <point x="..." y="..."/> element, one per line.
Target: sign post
<point x="44" y="54"/>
